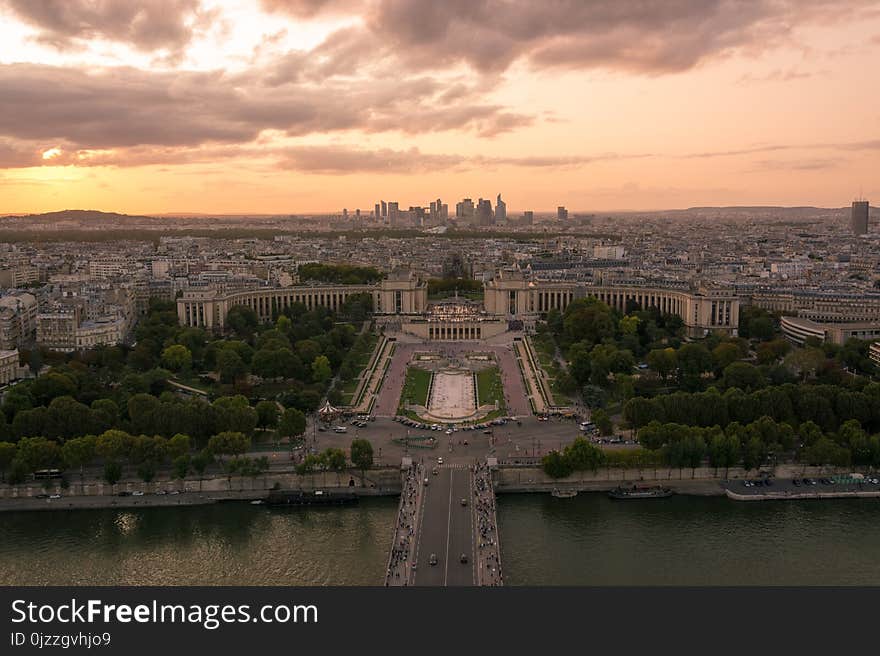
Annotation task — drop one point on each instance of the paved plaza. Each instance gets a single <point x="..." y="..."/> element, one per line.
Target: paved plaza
<point x="453" y="395"/>
<point x="516" y="398"/>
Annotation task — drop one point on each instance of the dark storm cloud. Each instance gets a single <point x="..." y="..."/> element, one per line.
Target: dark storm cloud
<point x="146" y="25"/>
<point x="632" y="35"/>
<point x="124" y="107"/>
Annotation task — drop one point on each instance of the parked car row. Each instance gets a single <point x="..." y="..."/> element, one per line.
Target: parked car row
<point x="798" y="482"/>
<point x="758" y="483"/>
<point x="449" y="430"/>
<point x="121" y="493"/>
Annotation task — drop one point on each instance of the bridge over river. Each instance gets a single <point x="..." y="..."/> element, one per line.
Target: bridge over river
<point x="446" y="532"/>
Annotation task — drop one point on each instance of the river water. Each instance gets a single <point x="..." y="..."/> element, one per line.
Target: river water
<point x="589" y="540"/>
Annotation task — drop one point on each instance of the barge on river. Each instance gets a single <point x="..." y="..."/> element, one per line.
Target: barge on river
<point x="640" y="492"/>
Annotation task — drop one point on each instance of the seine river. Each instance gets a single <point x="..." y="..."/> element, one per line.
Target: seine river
<point x="588" y="540"/>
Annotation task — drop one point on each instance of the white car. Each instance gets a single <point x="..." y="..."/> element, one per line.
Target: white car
<point x="449" y="431"/>
<point x="137" y="493"/>
<point x="440" y="460"/>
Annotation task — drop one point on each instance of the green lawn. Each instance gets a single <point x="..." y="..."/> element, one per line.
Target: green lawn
<point x="490" y="387"/>
<point x="415" y="387"/>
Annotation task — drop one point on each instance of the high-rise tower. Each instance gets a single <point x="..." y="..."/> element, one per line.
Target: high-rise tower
<point x="858" y="220"/>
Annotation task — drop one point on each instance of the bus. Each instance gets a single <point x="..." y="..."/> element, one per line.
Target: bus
<point x="45" y="474"/>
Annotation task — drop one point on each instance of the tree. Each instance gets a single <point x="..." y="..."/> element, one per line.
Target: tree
<point x="724" y="451"/>
<point x="178" y="446"/>
<point x="826" y="452"/>
<point x="629" y="325"/>
<point x="587" y="319"/>
<point x="17" y="400"/>
<point x="38" y="453"/>
<point x="805" y="362"/>
<point x="810" y="433"/>
<point x="640" y="411"/>
<point x="230" y="366"/>
<point x="663" y="361"/>
<point x="31" y="422"/>
<point x="177" y="358"/>
<point x="334" y="459"/>
<point x="693" y="361"/>
<point x="850" y="432"/>
<point x="148" y="450"/>
<point x="694" y="450"/>
<point x="603" y="422"/>
<point x="582" y="456"/>
<point x="52" y="385"/>
<point x="754" y="453"/>
<point x="114" y="445"/>
<point x="267" y="414"/>
<point x="744" y="376"/>
<point x="141" y="357"/>
<point x="761" y="328"/>
<point x="292" y="423"/>
<point x="234" y="413"/>
<point x="112" y="472"/>
<point x="579" y="362"/>
<point x="7" y="455"/>
<point x="242" y="320"/>
<point x="146" y="471"/>
<point x="145" y="412"/>
<point x="200" y="463"/>
<point x="725" y="354"/>
<point x="556" y="465"/>
<point x="771" y="351"/>
<point x="66" y="418"/>
<point x="180" y="466"/>
<point x="268" y="364"/>
<point x="362" y="454"/>
<point x="321" y="371"/>
<point x="104" y="415"/>
<point x="79" y="452"/>
<point x="229" y="443"/>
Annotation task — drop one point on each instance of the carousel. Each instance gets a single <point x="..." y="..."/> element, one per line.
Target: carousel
<point x="328" y="413"/>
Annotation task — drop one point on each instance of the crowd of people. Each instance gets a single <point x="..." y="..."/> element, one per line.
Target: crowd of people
<point x="401" y="561"/>
<point x="488" y="548"/>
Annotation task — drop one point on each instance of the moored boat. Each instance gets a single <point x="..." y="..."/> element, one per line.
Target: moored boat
<point x="640" y="492"/>
<point x="563" y="494"/>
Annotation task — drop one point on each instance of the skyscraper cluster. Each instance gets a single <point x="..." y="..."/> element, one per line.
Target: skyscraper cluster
<point x="467" y="213"/>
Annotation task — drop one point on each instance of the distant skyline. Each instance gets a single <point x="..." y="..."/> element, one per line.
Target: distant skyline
<point x="299" y="106"/>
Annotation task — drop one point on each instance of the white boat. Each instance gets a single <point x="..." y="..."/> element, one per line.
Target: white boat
<point x="563" y="494"/>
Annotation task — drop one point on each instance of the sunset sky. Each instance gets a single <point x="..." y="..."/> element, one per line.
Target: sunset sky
<point x="285" y="106"/>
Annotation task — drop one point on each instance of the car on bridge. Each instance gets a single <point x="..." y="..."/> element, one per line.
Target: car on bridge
<point x="433" y="559"/>
<point x="463" y="501"/>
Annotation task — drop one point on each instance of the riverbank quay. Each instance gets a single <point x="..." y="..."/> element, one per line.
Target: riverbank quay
<point x="385" y="481"/>
<point x="803" y="488"/>
<point x="701" y="481"/>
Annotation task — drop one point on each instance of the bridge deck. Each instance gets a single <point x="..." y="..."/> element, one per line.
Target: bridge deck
<point x="400" y="560"/>
<point x="449" y="520"/>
